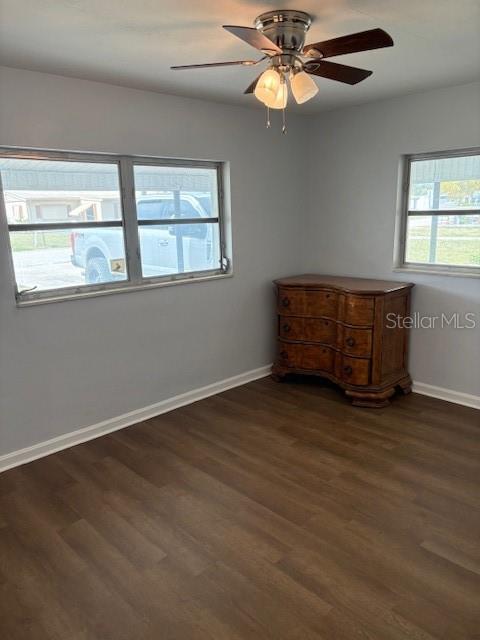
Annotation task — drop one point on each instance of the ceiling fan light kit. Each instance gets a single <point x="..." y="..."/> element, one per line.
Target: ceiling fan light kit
<point x="271" y="89"/>
<point x="280" y="36"/>
<point x="267" y="87"/>
<point x="303" y="87"/>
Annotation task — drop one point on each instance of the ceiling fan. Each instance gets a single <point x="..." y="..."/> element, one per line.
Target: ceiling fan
<point x="280" y="36"/>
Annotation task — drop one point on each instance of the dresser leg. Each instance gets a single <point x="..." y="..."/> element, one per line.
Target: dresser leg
<point x="406" y="385"/>
<point x="370" y="398"/>
<point x="278" y="375"/>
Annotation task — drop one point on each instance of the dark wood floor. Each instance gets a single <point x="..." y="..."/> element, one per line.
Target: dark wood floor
<point x="269" y="511"/>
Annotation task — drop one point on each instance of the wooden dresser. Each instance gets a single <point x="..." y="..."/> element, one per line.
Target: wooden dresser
<point x="341" y="329"/>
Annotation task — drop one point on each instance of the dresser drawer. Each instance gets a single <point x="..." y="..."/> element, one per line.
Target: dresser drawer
<point x="352" y="370"/>
<point x="310" y="357"/>
<point x="290" y="354"/>
<point x="291" y="328"/>
<point x="357" y="342"/>
<point x="320" y="330"/>
<point x="358" y="310"/>
<point x="317" y="358"/>
<point x="321" y="304"/>
<point x="312" y="304"/>
<point x="308" y="329"/>
<point x="291" y="302"/>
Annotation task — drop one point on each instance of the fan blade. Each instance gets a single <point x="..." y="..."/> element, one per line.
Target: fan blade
<point x="335" y="71"/>
<point x="254" y="37"/>
<point x="252" y="85"/>
<point x="246" y="63"/>
<point x="363" y="41"/>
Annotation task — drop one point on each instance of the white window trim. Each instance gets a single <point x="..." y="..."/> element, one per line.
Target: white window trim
<point x="135" y="281"/>
<point x="399" y="262"/>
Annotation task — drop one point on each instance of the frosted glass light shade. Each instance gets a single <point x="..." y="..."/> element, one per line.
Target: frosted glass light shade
<point x="267" y="87"/>
<point x="281" y="97"/>
<point x="303" y="87"/>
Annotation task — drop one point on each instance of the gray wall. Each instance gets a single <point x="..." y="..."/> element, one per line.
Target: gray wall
<point x="69" y="365"/>
<point x="353" y="169"/>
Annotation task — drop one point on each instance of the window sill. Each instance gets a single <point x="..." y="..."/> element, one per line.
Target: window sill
<point x="468" y="273"/>
<point x="123" y="289"/>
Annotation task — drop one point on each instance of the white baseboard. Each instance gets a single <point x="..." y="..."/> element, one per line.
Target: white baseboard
<point x="41" y="449"/>
<point x="449" y="395"/>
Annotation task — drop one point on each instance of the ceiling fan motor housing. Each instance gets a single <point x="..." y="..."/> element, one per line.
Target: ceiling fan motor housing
<point x="286" y="28"/>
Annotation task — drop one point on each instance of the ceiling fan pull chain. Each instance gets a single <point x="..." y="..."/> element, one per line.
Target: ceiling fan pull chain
<point x="284" y="88"/>
<point x="268" y="118"/>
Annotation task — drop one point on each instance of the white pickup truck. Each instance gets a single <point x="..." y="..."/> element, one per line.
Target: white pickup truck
<point x="100" y="252"/>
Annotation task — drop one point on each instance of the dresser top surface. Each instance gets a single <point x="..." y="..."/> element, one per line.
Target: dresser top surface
<point x="345" y="283"/>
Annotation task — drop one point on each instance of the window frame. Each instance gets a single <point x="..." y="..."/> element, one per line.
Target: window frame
<point x="128" y="222"/>
<point x="400" y="262"/>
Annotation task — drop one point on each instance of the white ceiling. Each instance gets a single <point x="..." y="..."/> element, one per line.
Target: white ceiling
<point x="133" y="43"/>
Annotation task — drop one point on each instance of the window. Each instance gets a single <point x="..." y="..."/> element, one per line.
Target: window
<point x="177" y="216"/>
<point x="82" y="224"/>
<point x="440" y="225"/>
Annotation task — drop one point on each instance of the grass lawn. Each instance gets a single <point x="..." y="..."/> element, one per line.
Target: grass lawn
<point x="455" y="245"/>
<point x="28" y="240"/>
<point x="449" y="232"/>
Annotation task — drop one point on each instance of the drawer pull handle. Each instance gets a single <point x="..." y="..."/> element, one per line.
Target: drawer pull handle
<point x="348" y="370"/>
<point x="286" y="328"/>
<point x="284" y="355"/>
<point x="285" y="302"/>
<point x="350" y="342"/>
<point x="327" y="296"/>
<point x="326" y="323"/>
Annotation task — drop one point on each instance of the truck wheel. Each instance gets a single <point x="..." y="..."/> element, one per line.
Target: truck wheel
<point x="97" y="271"/>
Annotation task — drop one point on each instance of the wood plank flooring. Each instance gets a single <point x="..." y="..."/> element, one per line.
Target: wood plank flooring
<point x="271" y="511"/>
